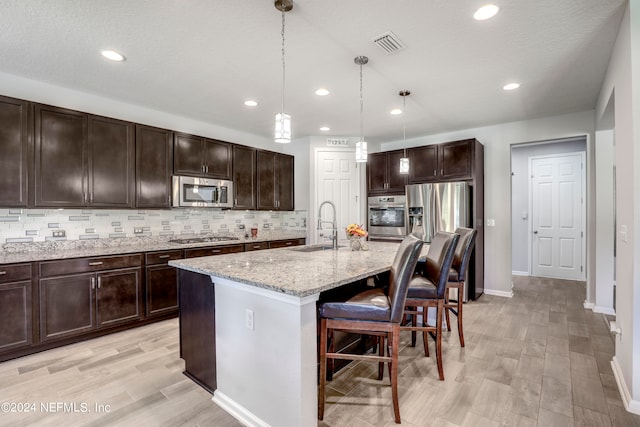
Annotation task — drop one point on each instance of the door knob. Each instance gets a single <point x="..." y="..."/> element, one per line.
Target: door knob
<point x="535" y="232"/>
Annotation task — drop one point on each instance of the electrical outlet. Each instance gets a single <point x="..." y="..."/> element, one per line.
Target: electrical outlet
<point x="491" y="223"/>
<point x="59" y="233"/>
<point x="241" y="226"/>
<point x="137" y="230"/>
<point x="265" y="225"/>
<point x="249" y="319"/>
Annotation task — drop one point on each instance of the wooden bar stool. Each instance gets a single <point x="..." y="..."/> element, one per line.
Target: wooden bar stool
<point x="427" y="291"/>
<point x="457" y="277"/>
<point x="372" y="312"/>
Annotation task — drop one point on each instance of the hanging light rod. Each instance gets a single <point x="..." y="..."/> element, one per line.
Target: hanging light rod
<point x="404" y="161"/>
<point x="282" y="132"/>
<point x="361" y="145"/>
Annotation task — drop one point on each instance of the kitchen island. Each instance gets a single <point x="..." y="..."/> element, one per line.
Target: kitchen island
<point x="263" y="330"/>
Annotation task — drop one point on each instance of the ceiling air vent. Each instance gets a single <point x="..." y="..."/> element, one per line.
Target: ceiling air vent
<point x="389" y="42"/>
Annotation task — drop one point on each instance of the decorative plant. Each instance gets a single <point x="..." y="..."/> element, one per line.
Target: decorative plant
<point x="355" y="230"/>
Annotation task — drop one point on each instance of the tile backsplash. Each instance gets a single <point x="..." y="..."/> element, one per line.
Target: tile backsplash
<point x="39" y="225"/>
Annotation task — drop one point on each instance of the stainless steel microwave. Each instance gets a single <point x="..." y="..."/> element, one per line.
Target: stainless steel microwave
<point x="189" y="191"/>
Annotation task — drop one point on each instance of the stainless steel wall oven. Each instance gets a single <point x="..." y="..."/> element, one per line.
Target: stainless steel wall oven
<point x="386" y="218"/>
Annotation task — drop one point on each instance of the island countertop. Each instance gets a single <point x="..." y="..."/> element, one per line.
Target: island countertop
<point x="300" y="271"/>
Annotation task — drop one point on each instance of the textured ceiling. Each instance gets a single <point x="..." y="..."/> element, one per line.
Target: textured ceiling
<point x="202" y="58"/>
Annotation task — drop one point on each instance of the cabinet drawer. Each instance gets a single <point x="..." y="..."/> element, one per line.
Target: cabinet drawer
<point x="256" y="246"/>
<point x="162" y="257"/>
<point x="82" y="265"/>
<point x="285" y="243"/>
<point x="15" y="272"/>
<point x="213" y="250"/>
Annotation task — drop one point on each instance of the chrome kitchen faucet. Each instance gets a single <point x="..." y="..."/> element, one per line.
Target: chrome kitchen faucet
<point x="334" y="223"/>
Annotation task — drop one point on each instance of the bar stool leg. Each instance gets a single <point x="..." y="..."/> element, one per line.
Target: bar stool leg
<point x="439" y="339"/>
<point x="460" y="333"/>
<point x="395" y="336"/>
<point x="446" y="308"/>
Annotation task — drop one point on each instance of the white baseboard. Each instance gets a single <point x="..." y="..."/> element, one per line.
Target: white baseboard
<point x="237" y="411"/>
<point x="588" y="305"/>
<point x="603" y="310"/>
<point x="519" y="273"/>
<point x="630" y="405"/>
<point x="505" y="294"/>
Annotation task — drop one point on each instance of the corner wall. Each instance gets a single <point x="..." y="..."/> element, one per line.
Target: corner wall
<point x="622" y="84"/>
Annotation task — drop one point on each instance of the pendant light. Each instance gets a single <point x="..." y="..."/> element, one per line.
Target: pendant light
<point x="404" y="161"/>
<point x="283" y="121"/>
<point x="361" y="145"/>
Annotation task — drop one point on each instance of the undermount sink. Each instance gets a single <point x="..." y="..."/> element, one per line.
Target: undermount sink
<point x="314" y="248"/>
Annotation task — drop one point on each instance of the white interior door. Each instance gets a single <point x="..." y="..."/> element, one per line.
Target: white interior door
<point x="337" y="181"/>
<point x="557" y="216"/>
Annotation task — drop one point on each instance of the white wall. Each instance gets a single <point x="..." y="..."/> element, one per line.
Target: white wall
<point x="604" y="274"/>
<point x="497" y="140"/>
<point x="520" y="195"/>
<point x="622" y="82"/>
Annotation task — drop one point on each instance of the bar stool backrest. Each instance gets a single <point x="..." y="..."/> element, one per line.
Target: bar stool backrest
<point x="463" y="251"/>
<point x="439" y="260"/>
<point x="402" y="269"/>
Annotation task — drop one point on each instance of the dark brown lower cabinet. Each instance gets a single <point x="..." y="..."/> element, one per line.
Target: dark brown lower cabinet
<point x="80" y="303"/>
<point x="162" y="283"/>
<point x="198" y="328"/>
<point x="67" y="306"/>
<point x="15" y="312"/>
<point x="118" y="297"/>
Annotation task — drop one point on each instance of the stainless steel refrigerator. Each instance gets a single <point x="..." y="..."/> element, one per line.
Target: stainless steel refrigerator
<point x="438" y="207"/>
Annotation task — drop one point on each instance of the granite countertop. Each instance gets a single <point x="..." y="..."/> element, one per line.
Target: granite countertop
<point x="29" y="252"/>
<point x="294" y="271"/>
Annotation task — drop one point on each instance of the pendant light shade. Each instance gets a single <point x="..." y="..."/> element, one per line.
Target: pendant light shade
<point x="283" y="128"/>
<point x="404" y="161"/>
<point x="361" y="145"/>
<point x="282" y="132"/>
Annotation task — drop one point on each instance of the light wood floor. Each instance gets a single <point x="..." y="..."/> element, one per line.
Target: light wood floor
<point x="538" y="358"/>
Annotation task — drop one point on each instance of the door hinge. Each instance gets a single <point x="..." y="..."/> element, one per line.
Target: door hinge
<point x="580" y="269"/>
<point x="582" y="234"/>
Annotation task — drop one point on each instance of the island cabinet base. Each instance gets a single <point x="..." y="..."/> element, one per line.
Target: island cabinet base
<point x="198" y="328"/>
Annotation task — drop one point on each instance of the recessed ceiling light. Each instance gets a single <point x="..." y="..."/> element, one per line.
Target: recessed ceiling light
<point x="322" y="92"/>
<point x="511" y="86"/>
<point x="250" y="103"/>
<point x="396" y="112"/>
<point x="485" y="12"/>
<point x="325" y="128"/>
<point x="113" y="55"/>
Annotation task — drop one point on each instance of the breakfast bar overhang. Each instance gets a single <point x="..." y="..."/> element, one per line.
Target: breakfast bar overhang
<point x="265" y="330"/>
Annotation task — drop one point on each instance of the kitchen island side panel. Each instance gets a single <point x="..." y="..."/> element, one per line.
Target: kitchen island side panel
<point x="267" y="372"/>
<point x="198" y="328"/>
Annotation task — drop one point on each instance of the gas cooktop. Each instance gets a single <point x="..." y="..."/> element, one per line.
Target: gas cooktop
<point x="203" y="239"/>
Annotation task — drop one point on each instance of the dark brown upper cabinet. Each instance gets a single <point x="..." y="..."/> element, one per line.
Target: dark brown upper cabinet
<point x="154" y="163"/>
<point x="14" y="152"/>
<point x="244" y="177"/>
<point x="441" y="162"/>
<point x="383" y="173"/>
<point x="202" y="157"/>
<point x="82" y="160"/>
<point x="275" y="181"/>
<point x="60" y="172"/>
<point x="111" y="163"/>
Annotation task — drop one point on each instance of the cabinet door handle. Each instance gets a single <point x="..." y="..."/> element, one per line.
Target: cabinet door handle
<point x="2" y="273"/>
<point x="235" y="202"/>
<point x="441" y="171"/>
<point x="434" y="172"/>
<point x="256" y="246"/>
<point x="215" y="251"/>
<point x="206" y="169"/>
<point x="93" y="283"/>
<point x="288" y="244"/>
<point x="164" y="256"/>
<point x="91" y="198"/>
<point x="203" y="168"/>
<point x="99" y="282"/>
<point x="95" y="263"/>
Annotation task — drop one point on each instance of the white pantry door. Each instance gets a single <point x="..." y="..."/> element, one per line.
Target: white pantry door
<point x="557" y="216"/>
<point x="337" y="181"/>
